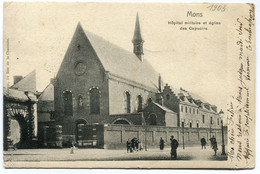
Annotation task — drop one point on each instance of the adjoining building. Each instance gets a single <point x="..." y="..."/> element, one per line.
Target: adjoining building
<point x="20" y="113"/>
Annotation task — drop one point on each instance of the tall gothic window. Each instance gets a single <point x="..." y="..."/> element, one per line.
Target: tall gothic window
<point x="203" y="119"/>
<point x="140" y="103"/>
<point x="94" y="101"/>
<point x="128" y="102"/>
<point x="68" y="106"/>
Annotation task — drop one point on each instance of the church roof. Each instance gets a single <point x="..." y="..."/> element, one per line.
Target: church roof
<point x="120" y="62"/>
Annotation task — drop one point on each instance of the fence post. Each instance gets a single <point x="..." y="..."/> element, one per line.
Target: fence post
<point x="59" y="136"/>
<point x="45" y="136"/>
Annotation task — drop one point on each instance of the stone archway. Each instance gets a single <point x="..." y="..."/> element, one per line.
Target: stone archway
<point x="19" y="124"/>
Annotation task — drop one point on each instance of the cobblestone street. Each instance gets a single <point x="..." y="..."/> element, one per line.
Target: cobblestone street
<point x="189" y="153"/>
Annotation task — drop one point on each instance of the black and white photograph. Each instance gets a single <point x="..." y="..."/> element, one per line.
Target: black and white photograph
<point x="128" y="83"/>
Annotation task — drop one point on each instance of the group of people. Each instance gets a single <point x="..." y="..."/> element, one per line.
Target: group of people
<point x="213" y="142"/>
<point x="134" y="145"/>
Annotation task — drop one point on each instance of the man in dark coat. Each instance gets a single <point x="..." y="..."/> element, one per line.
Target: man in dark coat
<point x="203" y="142"/>
<point x="174" y="146"/>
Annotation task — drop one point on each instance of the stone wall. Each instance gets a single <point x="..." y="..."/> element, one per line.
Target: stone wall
<point x="115" y="136"/>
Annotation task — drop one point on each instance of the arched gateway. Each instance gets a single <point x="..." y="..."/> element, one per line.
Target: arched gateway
<point x="19" y="123"/>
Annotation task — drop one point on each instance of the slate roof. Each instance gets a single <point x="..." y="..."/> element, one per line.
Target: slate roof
<point x="18" y="95"/>
<point x="47" y="94"/>
<point x="123" y="63"/>
<point x="164" y="108"/>
<point x="28" y="83"/>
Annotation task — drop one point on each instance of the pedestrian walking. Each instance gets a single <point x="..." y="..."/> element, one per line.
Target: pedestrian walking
<point x="128" y="146"/>
<point x="214" y="145"/>
<point x="72" y="148"/>
<point x="133" y="144"/>
<point x="203" y="142"/>
<point x="161" y="144"/>
<point x="141" y="147"/>
<point x="137" y="144"/>
<point x="174" y="146"/>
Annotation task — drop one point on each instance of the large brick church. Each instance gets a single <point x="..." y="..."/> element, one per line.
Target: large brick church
<point x="98" y="79"/>
<point x="101" y="83"/>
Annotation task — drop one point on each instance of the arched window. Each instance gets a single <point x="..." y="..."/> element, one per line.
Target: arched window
<point x="203" y="119"/>
<point x="186" y="109"/>
<point x="128" y="102"/>
<point x="140" y="103"/>
<point x="68" y="106"/>
<point x="121" y="121"/>
<point x="181" y="108"/>
<point x="94" y="101"/>
<point x="151" y="120"/>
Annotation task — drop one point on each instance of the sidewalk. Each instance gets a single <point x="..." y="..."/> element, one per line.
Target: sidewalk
<point x="189" y="153"/>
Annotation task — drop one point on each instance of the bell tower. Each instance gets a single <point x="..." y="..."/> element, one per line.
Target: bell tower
<point x="138" y="40"/>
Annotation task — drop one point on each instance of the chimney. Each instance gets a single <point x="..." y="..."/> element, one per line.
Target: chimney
<point x="17" y="79"/>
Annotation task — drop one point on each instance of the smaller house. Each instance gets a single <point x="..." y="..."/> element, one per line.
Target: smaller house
<point x="156" y="114"/>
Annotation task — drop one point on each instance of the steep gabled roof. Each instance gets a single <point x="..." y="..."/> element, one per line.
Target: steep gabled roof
<point x="28" y="83"/>
<point x="120" y="62"/>
<point x="47" y="94"/>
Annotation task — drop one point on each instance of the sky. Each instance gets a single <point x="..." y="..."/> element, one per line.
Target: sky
<point x="39" y="35"/>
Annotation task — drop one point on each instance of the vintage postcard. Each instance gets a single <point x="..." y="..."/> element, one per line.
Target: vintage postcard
<point x="129" y="85"/>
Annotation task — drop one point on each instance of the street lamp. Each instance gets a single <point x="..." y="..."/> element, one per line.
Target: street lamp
<point x="183" y="122"/>
<point x="221" y="113"/>
<point x="145" y="131"/>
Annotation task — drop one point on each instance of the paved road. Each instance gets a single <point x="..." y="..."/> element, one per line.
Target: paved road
<point x="189" y="153"/>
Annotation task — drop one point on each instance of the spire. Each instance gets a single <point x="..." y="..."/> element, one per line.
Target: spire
<point x="160" y="83"/>
<point x="137" y="35"/>
<point x="138" y="40"/>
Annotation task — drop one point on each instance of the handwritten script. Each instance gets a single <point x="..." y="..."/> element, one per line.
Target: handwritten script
<point x="239" y="119"/>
